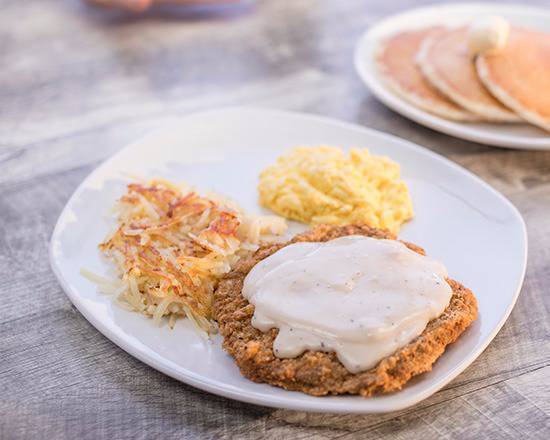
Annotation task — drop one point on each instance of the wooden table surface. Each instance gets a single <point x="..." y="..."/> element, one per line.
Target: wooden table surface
<point x="77" y="83"/>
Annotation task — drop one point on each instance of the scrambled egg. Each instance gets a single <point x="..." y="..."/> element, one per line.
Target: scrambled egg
<point x="323" y="185"/>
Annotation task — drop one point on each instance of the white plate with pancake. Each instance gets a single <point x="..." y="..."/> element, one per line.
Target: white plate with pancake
<point x="459" y="219"/>
<point x="510" y="135"/>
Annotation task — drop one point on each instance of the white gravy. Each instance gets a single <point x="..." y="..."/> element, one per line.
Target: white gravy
<point x="360" y="297"/>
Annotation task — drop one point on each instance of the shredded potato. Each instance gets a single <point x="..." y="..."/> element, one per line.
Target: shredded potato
<point x="171" y="247"/>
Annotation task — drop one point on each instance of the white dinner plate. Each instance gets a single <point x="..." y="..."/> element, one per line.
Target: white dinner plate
<point x="459" y="219"/>
<point x="501" y="135"/>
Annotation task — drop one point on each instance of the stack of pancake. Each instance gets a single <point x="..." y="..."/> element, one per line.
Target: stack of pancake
<point x="487" y="71"/>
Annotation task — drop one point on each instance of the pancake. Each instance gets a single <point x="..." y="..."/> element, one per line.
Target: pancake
<point x="519" y="75"/>
<point x="445" y="62"/>
<point x="397" y="66"/>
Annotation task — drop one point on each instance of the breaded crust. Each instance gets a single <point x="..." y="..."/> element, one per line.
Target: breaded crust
<point x="320" y="373"/>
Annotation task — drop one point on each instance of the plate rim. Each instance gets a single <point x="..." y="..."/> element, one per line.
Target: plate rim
<point x="181" y="374"/>
<point x="399" y="105"/>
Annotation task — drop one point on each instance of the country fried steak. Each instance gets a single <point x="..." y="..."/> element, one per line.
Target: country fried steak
<point x="320" y="373"/>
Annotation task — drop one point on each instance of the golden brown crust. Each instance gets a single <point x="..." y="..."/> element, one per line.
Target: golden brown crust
<point x="320" y="373"/>
<point x="396" y="60"/>
<point x="517" y="74"/>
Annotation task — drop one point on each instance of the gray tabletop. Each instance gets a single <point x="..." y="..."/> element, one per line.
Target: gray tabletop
<point x="77" y="83"/>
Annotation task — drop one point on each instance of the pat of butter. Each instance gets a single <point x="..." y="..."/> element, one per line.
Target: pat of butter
<point x="488" y="35"/>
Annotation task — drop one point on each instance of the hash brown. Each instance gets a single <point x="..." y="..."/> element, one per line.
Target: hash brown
<point x="320" y="373"/>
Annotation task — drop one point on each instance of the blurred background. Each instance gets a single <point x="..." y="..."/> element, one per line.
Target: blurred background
<point x="80" y="78"/>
